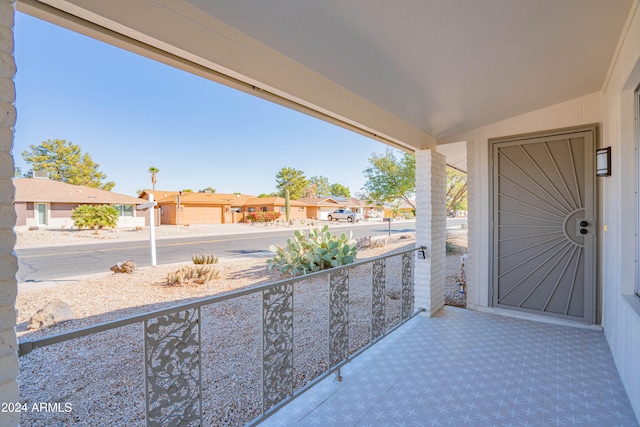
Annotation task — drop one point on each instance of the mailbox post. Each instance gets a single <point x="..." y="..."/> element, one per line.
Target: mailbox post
<point x="388" y="220"/>
<point x="152" y="226"/>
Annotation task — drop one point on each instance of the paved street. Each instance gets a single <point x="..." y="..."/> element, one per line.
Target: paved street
<point x="49" y="263"/>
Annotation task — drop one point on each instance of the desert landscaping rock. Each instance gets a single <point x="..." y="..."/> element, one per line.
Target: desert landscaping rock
<point x="55" y="311"/>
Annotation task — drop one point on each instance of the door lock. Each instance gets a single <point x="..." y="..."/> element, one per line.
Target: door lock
<point x="582" y="227"/>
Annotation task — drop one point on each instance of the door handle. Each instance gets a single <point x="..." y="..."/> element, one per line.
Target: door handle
<point x="583" y="231"/>
<point x="583" y="223"/>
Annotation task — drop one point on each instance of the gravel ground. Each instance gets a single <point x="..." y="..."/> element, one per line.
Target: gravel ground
<point x="101" y="376"/>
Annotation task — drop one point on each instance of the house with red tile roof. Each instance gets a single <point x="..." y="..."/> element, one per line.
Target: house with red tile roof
<point x="44" y="202"/>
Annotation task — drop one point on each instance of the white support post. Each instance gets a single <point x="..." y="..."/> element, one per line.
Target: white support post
<point x="431" y="229"/>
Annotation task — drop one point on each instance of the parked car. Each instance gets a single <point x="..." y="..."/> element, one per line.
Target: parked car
<point x="347" y="214"/>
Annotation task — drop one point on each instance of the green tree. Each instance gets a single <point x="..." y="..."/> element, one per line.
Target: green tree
<point x="456" y="190"/>
<point x="154" y="176"/>
<point x="339" y="190"/>
<point x="95" y="216"/>
<point x="318" y="186"/>
<point x="65" y="163"/>
<point x="209" y="189"/>
<point x="291" y="184"/>
<point x="390" y="178"/>
<point x="265" y="195"/>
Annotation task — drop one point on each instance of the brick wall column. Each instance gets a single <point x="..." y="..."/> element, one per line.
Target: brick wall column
<point x="431" y="229"/>
<point x="8" y="261"/>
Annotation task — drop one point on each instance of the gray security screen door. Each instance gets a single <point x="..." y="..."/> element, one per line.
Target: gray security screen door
<point x="544" y="232"/>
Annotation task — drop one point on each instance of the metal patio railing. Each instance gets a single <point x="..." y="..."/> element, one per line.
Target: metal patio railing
<point x="172" y="339"/>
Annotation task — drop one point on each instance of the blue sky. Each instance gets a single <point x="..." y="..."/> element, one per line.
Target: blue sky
<point x="129" y="113"/>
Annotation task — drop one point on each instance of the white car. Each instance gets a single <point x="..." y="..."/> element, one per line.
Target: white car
<point x="347" y="214"/>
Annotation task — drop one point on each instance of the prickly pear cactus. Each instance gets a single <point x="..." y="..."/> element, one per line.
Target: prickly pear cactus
<point x="311" y="252"/>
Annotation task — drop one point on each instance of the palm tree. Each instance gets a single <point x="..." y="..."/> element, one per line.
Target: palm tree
<point x="153" y="171"/>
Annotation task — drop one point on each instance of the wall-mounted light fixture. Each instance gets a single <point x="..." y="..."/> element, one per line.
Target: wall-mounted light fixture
<point x="603" y="161"/>
<point x="421" y="253"/>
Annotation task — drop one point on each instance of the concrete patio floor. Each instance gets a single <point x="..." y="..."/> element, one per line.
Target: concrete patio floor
<point x="466" y="368"/>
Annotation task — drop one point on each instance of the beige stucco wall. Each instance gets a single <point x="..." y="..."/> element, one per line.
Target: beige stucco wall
<point x="8" y="261"/>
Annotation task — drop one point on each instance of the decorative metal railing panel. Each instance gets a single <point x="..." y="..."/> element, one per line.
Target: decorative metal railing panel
<point x="338" y="316"/>
<point x="378" y="280"/>
<point x="172" y="340"/>
<point x="407" y="285"/>
<point x="173" y="376"/>
<point x="277" y="345"/>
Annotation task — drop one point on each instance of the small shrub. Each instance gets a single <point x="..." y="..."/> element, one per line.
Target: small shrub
<point x="192" y="274"/>
<point x="95" y="217"/>
<point x="318" y="250"/>
<point x="262" y="216"/>
<point x="204" y="259"/>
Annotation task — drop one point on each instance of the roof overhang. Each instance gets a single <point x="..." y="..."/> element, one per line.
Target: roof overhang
<point x="408" y="74"/>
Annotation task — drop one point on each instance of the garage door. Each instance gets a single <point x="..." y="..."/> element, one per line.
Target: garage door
<point x="201" y="215"/>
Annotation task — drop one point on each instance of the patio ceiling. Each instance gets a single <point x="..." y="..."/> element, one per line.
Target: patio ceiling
<point x="410" y="74"/>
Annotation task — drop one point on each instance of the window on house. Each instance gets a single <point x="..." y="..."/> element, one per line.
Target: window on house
<point x="251" y="210"/>
<point x="264" y="209"/>
<point x="283" y="209"/>
<point x="124" y="210"/>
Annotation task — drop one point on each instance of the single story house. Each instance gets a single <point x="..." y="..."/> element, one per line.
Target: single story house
<point x="321" y="207"/>
<point x="298" y="208"/>
<point x="197" y="208"/>
<point x="400" y="209"/>
<point x="44" y="202"/>
<point x="194" y="208"/>
<point x="368" y="210"/>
